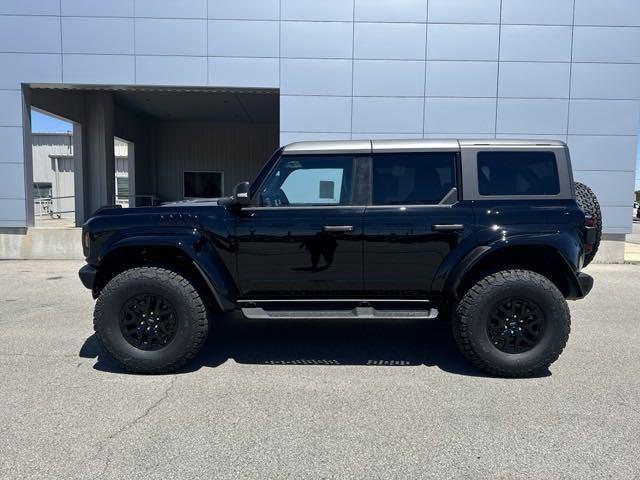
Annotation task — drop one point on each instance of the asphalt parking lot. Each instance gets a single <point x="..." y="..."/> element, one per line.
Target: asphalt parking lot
<point x="312" y="400"/>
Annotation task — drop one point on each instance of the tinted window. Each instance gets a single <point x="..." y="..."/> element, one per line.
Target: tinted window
<point x="412" y="178"/>
<point x="517" y="173"/>
<point x="309" y="180"/>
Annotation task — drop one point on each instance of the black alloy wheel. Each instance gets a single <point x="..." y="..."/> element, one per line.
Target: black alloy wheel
<point x="516" y="325"/>
<point x="148" y="321"/>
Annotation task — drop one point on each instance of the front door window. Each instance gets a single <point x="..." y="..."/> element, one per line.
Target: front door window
<point x="309" y="181"/>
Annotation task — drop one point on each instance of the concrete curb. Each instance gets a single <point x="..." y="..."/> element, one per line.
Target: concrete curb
<point x="42" y="244"/>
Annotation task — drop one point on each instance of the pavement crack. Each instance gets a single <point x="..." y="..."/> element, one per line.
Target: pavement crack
<point x="105" y="467"/>
<point x="625" y="403"/>
<point x="139" y="419"/>
<point x="146" y="413"/>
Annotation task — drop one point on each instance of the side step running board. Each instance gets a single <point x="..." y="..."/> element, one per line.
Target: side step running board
<point x="357" y="312"/>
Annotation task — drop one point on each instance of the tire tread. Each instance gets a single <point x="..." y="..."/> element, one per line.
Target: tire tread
<point x="470" y="301"/>
<point x="199" y="323"/>
<point x="588" y="202"/>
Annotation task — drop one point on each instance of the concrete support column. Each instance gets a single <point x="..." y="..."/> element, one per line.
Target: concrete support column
<point x="78" y="177"/>
<point x="146" y="163"/>
<point x="28" y="156"/>
<point x="98" y="156"/>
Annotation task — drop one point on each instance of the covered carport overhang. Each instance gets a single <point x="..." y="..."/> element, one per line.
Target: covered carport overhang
<point x="172" y="130"/>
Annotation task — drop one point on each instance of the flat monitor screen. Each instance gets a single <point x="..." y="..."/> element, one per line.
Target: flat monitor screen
<point x="202" y="184"/>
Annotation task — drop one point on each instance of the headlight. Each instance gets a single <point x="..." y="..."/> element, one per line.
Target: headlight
<point x="86" y="240"/>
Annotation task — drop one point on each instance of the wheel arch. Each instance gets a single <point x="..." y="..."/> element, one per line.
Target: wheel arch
<point x="204" y="268"/>
<point x="546" y="260"/>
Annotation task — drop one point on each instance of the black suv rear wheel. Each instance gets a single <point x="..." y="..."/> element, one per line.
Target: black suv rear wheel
<point x="512" y="323"/>
<point x="150" y="319"/>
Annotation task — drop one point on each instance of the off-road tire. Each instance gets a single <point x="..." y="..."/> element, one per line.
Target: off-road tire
<point x="588" y="202"/>
<point x="472" y="314"/>
<point x="191" y="326"/>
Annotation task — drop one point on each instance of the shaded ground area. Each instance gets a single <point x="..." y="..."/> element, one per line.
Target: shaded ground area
<point x="311" y="399"/>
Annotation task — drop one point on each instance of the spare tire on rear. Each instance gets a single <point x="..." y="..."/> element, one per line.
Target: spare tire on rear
<point x="588" y="202"/>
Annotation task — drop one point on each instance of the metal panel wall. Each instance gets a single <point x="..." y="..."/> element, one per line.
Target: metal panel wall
<point x="239" y="150"/>
<point x="564" y="69"/>
<point x="44" y="145"/>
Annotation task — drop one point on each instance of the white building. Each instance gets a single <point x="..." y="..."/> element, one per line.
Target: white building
<point x="52" y="158"/>
<point x="54" y="179"/>
<point x="206" y="89"/>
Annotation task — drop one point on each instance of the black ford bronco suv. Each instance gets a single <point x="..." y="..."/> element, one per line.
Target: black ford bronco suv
<point x="491" y="235"/>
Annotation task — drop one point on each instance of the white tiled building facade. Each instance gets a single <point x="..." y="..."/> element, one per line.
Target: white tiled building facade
<point x="562" y="69"/>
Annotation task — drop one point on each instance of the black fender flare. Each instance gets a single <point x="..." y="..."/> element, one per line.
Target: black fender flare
<point x="560" y="245"/>
<point x="206" y="260"/>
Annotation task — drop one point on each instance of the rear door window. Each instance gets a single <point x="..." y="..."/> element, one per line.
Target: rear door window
<point x="518" y="173"/>
<point x="412" y="178"/>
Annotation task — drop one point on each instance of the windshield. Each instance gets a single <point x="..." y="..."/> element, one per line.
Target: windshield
<point x="264" y="171"/>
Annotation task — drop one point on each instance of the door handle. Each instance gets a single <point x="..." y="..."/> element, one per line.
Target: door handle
<point x="450" y="227"/>
<point x="338" y="228"/>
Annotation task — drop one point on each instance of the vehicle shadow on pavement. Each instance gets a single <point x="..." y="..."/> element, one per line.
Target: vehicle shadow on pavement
<point x="400" y="343"/>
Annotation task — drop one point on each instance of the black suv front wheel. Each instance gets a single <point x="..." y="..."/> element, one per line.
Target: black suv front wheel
<point x="150" y="319"/>
<point x="512" y="323"/>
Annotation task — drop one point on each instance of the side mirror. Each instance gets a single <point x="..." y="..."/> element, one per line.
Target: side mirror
<point x="241" y="195"/>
